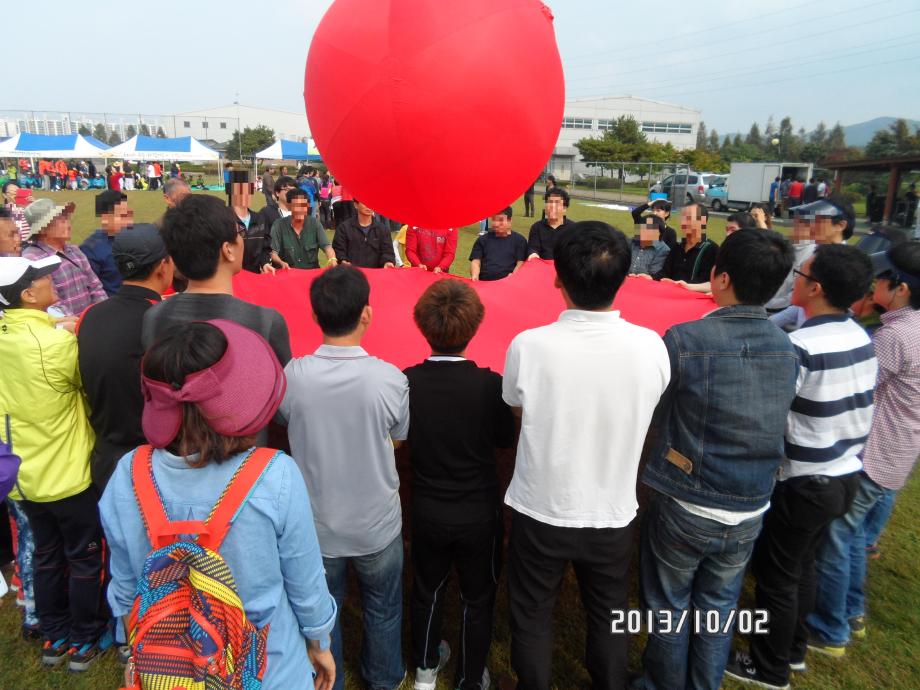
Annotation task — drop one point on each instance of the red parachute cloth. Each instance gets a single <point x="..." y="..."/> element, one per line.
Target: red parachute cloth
<point x="524" y="300"/>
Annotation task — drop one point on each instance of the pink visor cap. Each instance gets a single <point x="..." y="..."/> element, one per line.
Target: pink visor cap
<point x="237" y="396"/>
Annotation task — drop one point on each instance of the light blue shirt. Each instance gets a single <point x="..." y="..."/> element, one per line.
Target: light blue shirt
<point x="342" y="407"/>
<point x="271" y="550"/>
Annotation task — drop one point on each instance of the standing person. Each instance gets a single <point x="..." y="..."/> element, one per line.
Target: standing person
<point x="16" y="206"/>
<point x="116" y="179"/>
<point x="364" y="241"/>
<point x="776" y="209"/>
<point x="252" y="228"/>
<point x="10" y="242"/>
<point x="543" y="233"/>
<point x="810" y="192"/>
<point x="114" y="216"/>
<point x="593" y="372"/>
<point x="204" y="437"/>
<point x="151" y="178"/>
<point x="157" y="175"/>
<point x="280" y="209"/>
<point x="528" y="200"/>
<point x="498" y="253"/>
<point x="268" y="186"/>
<point x="796" y="192"/>
<point x="648" y="250"/>
<point x="784" y="194"/>
<point x="431" y="250"/>
<point x="714" y="461"/>
<point x="911" y="200"/>
<point x="804" y="246"/>
<point x="456" y="419"/>
<point x="823" y="189"/>
<point x="110" y="349"/>
<point x="890" y="454"/>
<point x="75" y="284"/>
<point x="343" y="407"/>
<point x="296" y="239"/>
<point x="40" y="390"/>
<point x="128" y="179"/>
<point x="202" y="237"/>
<point x="659" y="206"/>
<point x="694" y="257"/>
<point x="825" y="434"/>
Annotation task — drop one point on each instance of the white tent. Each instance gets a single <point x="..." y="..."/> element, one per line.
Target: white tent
<point x="142" y="148"/>
<point x="28" y="145"/>
<point x="284" y="150"/>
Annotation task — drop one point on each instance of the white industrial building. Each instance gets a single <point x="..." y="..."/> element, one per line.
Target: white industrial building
<point x="218" y="124"/>
<point x="661" y="122"/>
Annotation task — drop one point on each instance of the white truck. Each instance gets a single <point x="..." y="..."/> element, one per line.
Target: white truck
<point x="749" y="183"/>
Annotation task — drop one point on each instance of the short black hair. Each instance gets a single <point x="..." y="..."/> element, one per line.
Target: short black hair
<point x="107" y="201"/>
<point x="7" y="184"/>
<point x="906" y="256"/>
<point x="295" y="193"/>
<point x="657" y="221"/>
<point x="592" y="260"/>
<point x="757" y="261"/>
<point x="845" y="273"/>
<point x="846" y="210"/>
<point x="704" y="210"/>
<point x="239" y="176"/>
<point x="559" y="192"/>
<point x="284" y="181"/>
<point x="743" y="219"/>
<point x="506" y="212"/>
<point x="194" y="232"/>
<point x="338" y="296"/>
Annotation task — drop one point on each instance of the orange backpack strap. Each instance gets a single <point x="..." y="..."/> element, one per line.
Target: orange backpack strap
<point x="148" y="498"/>
<point x="234" y="496"/>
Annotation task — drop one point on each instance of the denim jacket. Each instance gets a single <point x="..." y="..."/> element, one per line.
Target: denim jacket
<point x="721" y="421"/>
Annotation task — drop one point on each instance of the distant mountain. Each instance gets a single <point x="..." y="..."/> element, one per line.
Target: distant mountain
<point x="861" y="133"/>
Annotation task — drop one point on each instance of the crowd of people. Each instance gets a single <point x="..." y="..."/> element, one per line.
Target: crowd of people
<point x="139" y="395"/>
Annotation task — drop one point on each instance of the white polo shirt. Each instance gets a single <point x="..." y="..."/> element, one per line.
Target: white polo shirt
<point x="588" y="385"/>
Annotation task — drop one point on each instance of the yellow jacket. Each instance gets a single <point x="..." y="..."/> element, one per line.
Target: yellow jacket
<point x="41" y="391"/>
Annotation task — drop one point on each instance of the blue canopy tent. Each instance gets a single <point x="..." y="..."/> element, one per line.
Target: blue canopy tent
<point x="143" y="148"/>
<point x="284" y="150"/>
<point x="26" y="144"/>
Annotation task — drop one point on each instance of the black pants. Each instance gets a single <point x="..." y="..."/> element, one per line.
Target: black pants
<point x="475" y="551"/>
<point x="68" y="565"/>
<point x="528" y="205"/>
<point x="537" y="556"/>
<point x="783" y="564"/>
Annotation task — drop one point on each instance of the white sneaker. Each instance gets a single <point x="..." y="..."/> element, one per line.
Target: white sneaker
<point x="427" y="678"/>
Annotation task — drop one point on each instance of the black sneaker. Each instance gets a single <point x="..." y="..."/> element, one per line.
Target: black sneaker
<point x="82" y="657"/>
<point x="741" y="668"/>
<point x="31" y="633"/>
<point x="55" y="653"/>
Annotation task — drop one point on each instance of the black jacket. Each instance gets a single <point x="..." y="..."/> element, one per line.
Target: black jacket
<point x="371" y="249"/>
<point x="257" y="242"/>
<point x="693" y="266"/>
<point x="542" y="238"/>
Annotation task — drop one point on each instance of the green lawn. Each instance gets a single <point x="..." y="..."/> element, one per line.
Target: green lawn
<point x="888" y="657"/>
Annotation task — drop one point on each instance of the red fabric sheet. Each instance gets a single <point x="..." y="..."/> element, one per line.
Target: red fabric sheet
<point x="524" y="300"/>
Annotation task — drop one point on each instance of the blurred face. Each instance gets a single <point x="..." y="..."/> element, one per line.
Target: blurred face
<point x="282" y="195"/>
<point x="10" y="241"/>
<point x="120" y="218"/>
<point x="731" y="226"/>
<point x="825" y="231"/>
<point x="10" y="194"/>
<point x="692" y="223"/>
<point x="555" y="209"/>
<point x="300" y="208"/>
<point x="363" y="210"/>
<point x="801" y="230"/>
<point x="648" y="234"/>
<point x="501" y="225"/>
<point x="58" y="229"/>
<point x="178" y="194"/>
<point x="240" y="194"/>
<point x="661" y="211"/>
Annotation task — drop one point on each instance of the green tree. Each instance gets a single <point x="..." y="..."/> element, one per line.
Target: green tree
<point x="702" y="137"/>
<point x="85" y="131"/>
<point x="713" y="141"/>
<point x="114" y="139"/>
<point x="251" y="140"/>
<point x="131" y="131"/>
<point x="753" y="138"/>
<point x="836" y="140"/>
<point x="819" y="136"/>
<point x="737" y="142"/>
<point x="145" y="130"/>
<point x="100" y="133"/>
<point x="894" y="141"/>
<point x="160" y="133"/>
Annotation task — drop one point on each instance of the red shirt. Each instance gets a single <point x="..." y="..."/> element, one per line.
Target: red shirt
<point x="115" y="181"/>
<point x="431" y="248"/>
<point x="157" y="170"/>
<point x="796" y="189"/>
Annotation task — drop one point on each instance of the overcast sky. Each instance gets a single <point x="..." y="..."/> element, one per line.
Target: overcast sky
<point x="846" y="60"/>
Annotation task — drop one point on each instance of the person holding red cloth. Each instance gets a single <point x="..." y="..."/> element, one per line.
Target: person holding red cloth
<point x="431" y="250"/>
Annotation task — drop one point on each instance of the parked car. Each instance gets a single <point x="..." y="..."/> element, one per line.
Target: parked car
<point x="717" y="194"/>
<point x="695" y="183"/>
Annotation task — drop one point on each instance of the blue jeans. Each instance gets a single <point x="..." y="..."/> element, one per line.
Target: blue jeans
<point x="840" y="567"/>
<point x="380" y="580"/>
<point x="878" y="517"/>
<point x="690" y="563"/>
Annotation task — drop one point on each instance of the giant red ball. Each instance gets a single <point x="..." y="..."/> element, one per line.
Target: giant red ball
<point x="432" y="112"/>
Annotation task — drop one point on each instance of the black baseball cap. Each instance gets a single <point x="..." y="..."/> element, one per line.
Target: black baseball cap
<point x="886" y="268"/>
<point x="138" y="247"/>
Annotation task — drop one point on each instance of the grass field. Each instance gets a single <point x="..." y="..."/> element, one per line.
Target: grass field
<point x="888" y="658"/>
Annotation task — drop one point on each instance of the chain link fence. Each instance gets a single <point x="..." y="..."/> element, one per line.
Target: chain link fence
<point x="628" y="181"/>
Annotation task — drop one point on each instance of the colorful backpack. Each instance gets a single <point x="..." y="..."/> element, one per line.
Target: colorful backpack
<point x="188" y="629"/>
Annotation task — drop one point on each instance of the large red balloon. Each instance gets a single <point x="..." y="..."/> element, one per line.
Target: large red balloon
<point x="433" y="112"/>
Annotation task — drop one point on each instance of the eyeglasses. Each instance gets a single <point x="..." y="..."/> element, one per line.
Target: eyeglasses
<point x="805" y="275"/>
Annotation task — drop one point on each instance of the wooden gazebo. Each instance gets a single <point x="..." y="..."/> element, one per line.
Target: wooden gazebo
<point x="896" y="167"/>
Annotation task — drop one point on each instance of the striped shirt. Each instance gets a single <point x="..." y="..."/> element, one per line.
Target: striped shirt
<point x="894" y="442"/>
<point x="831" y="414"/>
<point x="76" y="285"/>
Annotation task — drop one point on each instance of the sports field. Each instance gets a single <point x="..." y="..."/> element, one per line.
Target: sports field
<point x="888" y="658"/>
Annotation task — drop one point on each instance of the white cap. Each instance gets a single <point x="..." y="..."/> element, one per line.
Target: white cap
<point x="16" y="271"/>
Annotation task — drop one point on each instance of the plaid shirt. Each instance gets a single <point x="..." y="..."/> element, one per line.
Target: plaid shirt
<point x="19" y="217"/>
<point x="894" y="441"/>
<point x="76" y="285"/>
